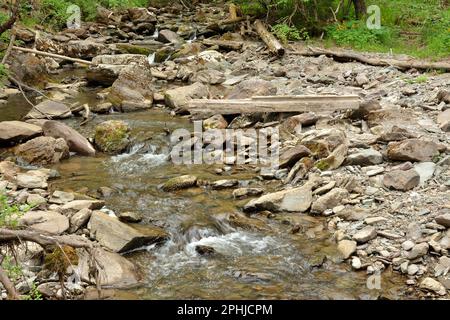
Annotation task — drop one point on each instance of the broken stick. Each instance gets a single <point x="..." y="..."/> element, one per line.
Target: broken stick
<point x="269" y="39"/>
<point x="52" y="55"/>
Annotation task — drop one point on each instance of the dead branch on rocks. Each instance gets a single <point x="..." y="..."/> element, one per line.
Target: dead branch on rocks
<point x="269" y="39"/>
<point x="14" y="15"/>
<point x="20" y="86"/>
<point x="52" y="55"/>
<point x="43" y="239"/>
<point x="8" y="50"/>
<point x="87" y="113"/>
<point x="379" y="62"/>
<point x="217" y="26"/>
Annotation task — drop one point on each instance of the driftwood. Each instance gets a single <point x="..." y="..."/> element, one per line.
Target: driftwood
<point x="217" y="26"/>
<point x="269" y="39"/>
<point x="202" y="108"/>
<point x="224" y="44"/>
<point x="87" y="113"/>
<point x="8" y="50"/>
<point x="353" y="56"/>
<point x="233" y="11"/>
<point x="52" y="55"/>
<point x="43" y="239"/>
<point x="12" y="19"/>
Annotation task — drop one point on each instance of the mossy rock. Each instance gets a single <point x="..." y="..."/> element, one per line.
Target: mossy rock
<point x="60" y="259"/>
<point x="179" y="183"/>
<point x="188" y="49"/>
<point x="319" y="149"/>
<point x="322" y="165"/>
<point x="241" y="221"/>
<point x="112" y="136"/>
<point x="163" y="54"/>
<point x="133" y="49"/>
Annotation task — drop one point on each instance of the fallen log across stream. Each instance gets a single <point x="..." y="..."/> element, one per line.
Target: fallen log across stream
<point x="203" y="108"/>
<point x="373" y="61"/>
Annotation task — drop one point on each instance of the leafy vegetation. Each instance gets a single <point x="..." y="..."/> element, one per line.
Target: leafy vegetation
<point x="15" y="274"/>
<point x="419" y="79"/>
<point x="416" y="27"/>
<point x="285" y="33"/>
<point x="54" y="12"/>
<point x="357" y="35"/>
<point x="3" y="74"/>
<point x="10" y="213"/>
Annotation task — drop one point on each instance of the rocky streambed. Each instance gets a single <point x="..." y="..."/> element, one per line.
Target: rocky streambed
<point x="359" y="208"/>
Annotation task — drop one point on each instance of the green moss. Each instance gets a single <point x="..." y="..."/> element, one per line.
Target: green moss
<point x="179" y="183"/>
<point x="60" y="259"/>
<point x="133" y="49"/>
<point x="322" y="165"/>
<point x="112" y="136"/>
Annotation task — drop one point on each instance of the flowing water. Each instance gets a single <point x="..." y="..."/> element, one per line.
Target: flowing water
<point x="270" y="262"/>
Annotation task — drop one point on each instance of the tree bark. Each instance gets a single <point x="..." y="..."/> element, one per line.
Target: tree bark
<point x="269" y="39"/>
<point x="7" y="235"/>
<point x="360" y="8"/>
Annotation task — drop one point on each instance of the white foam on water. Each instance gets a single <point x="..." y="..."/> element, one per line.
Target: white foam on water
<point x="172" y="257"/>
<point x="156" y="34"/>
<point x="133" y="161"/>
<point x="151" y="58"/>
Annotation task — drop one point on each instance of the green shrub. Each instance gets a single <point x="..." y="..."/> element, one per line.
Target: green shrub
<point x="357" y="35"/>
<point x="10" y="213"/>
<point x="286" y="33"/>
<point x="3" y="74"/>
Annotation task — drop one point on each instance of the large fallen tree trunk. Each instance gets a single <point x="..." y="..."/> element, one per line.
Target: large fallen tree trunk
<point x="342" y="55"/>
<point x="269" y="39"/>
<point x="224" y="44"/>
<point x="203" y="108"/>
<point x="52" y="55"/>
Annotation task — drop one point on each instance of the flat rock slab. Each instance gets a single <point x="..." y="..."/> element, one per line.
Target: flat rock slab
<point x="77" y="205"/>
<point x="290" y="200"/>
<point x="119" y="237"/>
<point x="17" y="131"/>
<point x="115" y="270"/>
<point x="49" y="109"/>
<point x="45" y="221"/>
